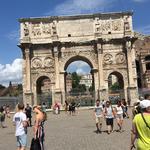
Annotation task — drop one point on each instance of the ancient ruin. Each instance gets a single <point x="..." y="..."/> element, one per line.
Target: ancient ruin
<point x="105" y="41"/>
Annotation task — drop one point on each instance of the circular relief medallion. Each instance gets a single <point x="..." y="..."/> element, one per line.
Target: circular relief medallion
<point x="36" y="63"/>
<point x="120" y="58"/>
<point x="48" y="62"/>
<point x="108" y="59"/>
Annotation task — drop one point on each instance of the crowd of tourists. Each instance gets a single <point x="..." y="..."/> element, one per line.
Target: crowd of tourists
<point x="109" y="113"/>
<point x="103" y="111"/>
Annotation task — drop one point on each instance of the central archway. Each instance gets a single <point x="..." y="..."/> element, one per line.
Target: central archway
<point x="79" y="83"/>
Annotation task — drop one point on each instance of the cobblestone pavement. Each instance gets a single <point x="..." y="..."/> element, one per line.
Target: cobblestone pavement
<point x="65" y="132"/>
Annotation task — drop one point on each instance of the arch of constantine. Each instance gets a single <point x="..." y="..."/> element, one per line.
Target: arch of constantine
<point x="105" y="41"/>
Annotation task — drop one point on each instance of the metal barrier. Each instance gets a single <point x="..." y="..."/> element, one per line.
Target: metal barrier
<point x="81" y="98"/>
<point x="10" y="101"/>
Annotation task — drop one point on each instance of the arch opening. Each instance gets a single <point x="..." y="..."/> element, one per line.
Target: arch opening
<point x="116" y="87"/>
<point x="43" y="89"/>
<point x="79" y="81"/>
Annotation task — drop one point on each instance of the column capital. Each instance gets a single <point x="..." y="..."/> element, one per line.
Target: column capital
<point x="128" y="45"/>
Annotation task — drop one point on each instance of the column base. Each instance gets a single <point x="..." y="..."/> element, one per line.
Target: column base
<point x="57" y="96"/>
<point x="28" y="98"/>
<point x="103" y="94"/>
<point x="132" y="95"/>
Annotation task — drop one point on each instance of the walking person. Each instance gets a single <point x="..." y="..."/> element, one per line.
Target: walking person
<point x="73" y="105"/>
<point x="66" y="106"/>
<point x="141" y="127"/>
<point x="38" y="129"/>
<point x="2" y="117"/>
<point x="119" y="115"/>
<point x="28" y="111"/>
<point x="109" y="116"/>
<point x="20" y="121"/>
<point x="125" y="108"/>
<point x="98" y="115"/>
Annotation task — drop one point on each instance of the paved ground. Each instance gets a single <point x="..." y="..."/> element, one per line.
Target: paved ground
<point x="64" y="132"/>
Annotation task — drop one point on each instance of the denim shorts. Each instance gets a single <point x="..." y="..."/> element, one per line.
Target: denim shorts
<point x="22" y="140"/>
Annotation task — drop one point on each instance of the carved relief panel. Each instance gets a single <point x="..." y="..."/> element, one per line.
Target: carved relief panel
<point x="25" y="29"/>
<point x="42" y="62"/>
<point x="36" y="29"/>
<point x="46" y="28"/>
<point x="108" y="25"/>
<point x="108" y="59"/>
<point x="114" y="58"/>
<point x="120" y="58"/>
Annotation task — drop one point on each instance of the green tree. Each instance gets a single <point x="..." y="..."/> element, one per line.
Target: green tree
<point x="75" y="80"/>
<point x="115" y="86"/>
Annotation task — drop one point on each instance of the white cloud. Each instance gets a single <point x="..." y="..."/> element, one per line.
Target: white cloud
<point x="139" y="1"/>
<point x="11" y="72"/>
<point x="144" y="29"/>
<point x="80" y="67"/>
<point x="81" y="6"/>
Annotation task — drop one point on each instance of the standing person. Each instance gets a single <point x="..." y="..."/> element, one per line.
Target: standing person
<point x="20" y="121"/>
<point x="44" y="106"/>
<point x="7" y="110"/>
<point x="98" y="114"/>
<point x="70" y="108"/>
<point x="141" y="127"/>
<point x="73" y="104"/>
<point x="38" y="129"/>
<point x="125" y="108"/>
<point x="66" y="106"/>
<point x="2" y="116"/>
<point x="109" y="115"/>
<point x="119" y="115"/>
<point x="28" y="111"/>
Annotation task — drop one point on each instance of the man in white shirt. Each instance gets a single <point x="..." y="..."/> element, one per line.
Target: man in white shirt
<point x="98" y="114"/>
<point x="20" y="121"/>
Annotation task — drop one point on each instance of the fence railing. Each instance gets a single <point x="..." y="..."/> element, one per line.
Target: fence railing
<point x="10" y="101"/>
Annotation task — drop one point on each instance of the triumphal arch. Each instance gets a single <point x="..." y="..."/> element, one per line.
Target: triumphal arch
<point x="105" y="41"/>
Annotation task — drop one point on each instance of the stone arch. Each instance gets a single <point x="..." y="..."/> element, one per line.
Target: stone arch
<point x="43" y="90"/>
<point x="76" y="58"/>
<point x="120" y="77"/>
<point x="121" y="91"/>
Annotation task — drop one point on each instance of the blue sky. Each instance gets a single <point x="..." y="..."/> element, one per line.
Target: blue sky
<point x="12" y="10"/>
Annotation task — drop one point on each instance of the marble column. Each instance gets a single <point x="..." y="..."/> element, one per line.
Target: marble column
<point x="132" y="77"/>
<point x="62" y="85"/>
<point x="129" y="61"/>
<point x="28" y="95"/>
<point x="94" y="73"/>
<point x="102" y="88"/>
<point x="57" y="82"/>
<point x="57" y="94"/>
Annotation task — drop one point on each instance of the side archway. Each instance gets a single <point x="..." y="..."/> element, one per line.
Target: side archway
<point x="43" y="90"/>
<point x="116" y="86"/>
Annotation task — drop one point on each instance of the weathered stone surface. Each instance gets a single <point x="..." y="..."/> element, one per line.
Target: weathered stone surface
<point x="104" y="41"/>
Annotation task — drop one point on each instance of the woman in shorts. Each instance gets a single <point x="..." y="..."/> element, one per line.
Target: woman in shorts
<point x="109" y="115"/>
<point x="119" y="115"/>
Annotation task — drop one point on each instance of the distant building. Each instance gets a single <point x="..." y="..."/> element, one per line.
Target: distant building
<point x="86" y="80"/>
<point x="68" y="82"/>
<point x="112" y="79"/>
<point x="46" y="86"/>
